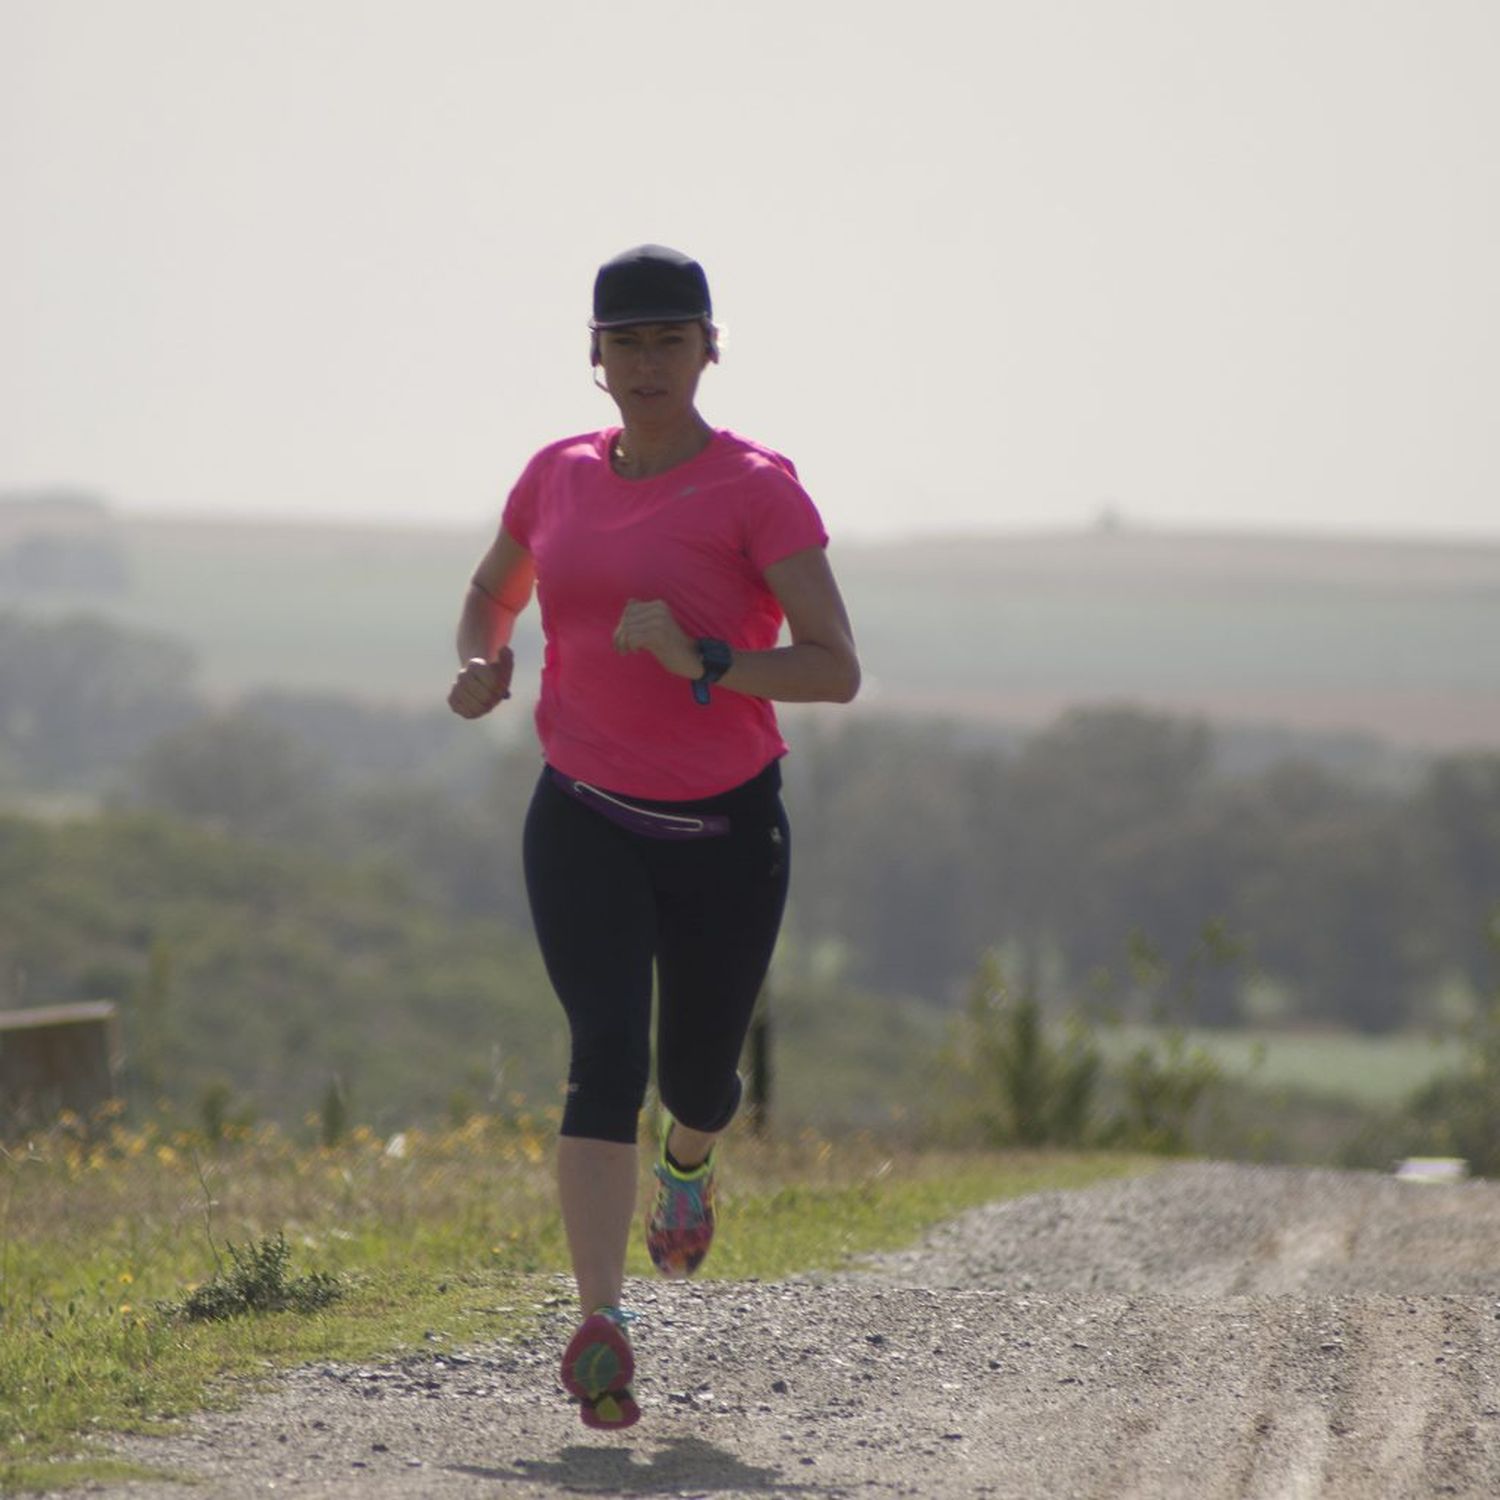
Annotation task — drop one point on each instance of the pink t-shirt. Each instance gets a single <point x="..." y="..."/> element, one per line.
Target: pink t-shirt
<point x="699" y="537"/>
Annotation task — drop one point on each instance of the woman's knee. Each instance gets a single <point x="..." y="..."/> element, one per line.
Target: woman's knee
<point x="707" y="1105"/>
<point x="606" y="1089"/>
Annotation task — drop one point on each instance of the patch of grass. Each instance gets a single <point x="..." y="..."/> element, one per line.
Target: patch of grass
<point x="440" y="1239"/>
<point x="103" y="1235"/>
<point x="59" y="1474"/>
<point x="813" y="1214"/>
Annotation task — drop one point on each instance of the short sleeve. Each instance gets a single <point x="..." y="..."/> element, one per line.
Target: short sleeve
<point x="781" y="519"/>
<point x="519" y="516"/>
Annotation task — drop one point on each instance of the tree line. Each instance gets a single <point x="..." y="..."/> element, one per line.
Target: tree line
<point x="920" y="846"/>
<point x="1343" y="901"/>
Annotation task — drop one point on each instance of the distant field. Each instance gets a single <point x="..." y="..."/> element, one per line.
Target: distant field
<point x="1376" y="1071"/>
<point x="363" y="611"/>
<point x="1399" y="640"/>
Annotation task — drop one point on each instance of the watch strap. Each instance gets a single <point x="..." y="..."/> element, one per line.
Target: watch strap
<point x="717" y="658"/>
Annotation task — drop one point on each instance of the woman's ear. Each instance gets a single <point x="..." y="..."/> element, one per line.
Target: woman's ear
<point x="595" y="358"/>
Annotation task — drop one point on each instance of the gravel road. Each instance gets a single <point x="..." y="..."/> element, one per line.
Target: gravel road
<point x="1206" y="1331"/>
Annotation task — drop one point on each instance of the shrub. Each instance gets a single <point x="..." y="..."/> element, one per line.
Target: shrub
<point x="258" y="1281"/>
<point x="1033" y="1090"/>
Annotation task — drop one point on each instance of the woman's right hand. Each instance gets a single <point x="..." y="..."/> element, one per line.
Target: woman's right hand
<point x="481" y="685"/>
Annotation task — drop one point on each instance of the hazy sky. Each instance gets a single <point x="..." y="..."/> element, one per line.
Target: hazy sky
<point x="983" y="265"/>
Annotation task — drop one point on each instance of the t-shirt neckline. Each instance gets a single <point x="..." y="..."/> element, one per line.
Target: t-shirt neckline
<point x="609" y="434"/>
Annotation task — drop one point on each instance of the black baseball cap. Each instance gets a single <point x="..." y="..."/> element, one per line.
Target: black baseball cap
<point x="650" y="284"/>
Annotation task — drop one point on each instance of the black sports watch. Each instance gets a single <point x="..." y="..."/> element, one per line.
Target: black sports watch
<point x="717" y="660"/>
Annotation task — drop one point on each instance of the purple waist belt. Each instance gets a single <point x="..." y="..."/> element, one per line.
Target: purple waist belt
<point x="643" y="820"/>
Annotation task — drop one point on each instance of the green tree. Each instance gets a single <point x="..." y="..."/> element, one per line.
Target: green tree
<point x="1459" y="1113"/>
<point x="80" y="696"/>
<point x="1459" y="805"/>
<point x="1344" y="908"/>
<point x="1094" y="778"/>
<point x="891" y="851"/>
<point x="241" y="774"/>
<point x="286" y="966"/>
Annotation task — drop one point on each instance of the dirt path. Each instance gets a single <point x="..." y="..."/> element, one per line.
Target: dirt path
<point x="1209" y="1331"/>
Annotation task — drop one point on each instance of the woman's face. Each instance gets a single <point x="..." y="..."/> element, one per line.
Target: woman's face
<point x="652" y="369"/>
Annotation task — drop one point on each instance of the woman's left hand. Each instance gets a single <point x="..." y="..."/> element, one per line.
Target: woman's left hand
<point x="648" y="625"/>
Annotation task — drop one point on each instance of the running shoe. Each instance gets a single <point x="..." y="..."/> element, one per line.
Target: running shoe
<point x="680" y="1224"/>
<point x="597" y="1367"/>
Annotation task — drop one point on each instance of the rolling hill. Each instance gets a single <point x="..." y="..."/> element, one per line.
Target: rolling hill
<point x="1337" y="636"/>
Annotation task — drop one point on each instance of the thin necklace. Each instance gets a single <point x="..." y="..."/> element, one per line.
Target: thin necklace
<point x="620" y="459"/>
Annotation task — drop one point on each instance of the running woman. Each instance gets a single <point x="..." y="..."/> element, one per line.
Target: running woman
<point x="666" y="555"/>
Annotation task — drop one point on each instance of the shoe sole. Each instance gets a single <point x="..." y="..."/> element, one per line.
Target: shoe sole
<point x="598" y="1362"/>
<point x="612" y="1411"/>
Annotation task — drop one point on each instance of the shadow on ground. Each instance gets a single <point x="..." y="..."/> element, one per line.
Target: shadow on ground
<point x="682" y="1464"/>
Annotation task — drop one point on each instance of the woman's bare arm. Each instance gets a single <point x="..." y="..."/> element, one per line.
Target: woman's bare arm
<point x="498" y="592"/>
<point x="819" y="666"/>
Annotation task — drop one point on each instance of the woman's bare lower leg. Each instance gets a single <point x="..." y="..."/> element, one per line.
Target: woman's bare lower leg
<point x="596" y="1183"/>
<point x="689" y="1148"/>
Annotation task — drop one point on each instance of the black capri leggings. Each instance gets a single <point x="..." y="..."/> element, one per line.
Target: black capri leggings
<point x="609" y="904"/>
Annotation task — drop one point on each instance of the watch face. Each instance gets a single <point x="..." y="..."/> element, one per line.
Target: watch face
<point x="716" y="656"/>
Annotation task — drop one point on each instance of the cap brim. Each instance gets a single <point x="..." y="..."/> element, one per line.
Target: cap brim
<point x="647" y="315"/>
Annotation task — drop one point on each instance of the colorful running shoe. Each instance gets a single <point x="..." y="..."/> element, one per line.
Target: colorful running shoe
<point x="597" y="1367"/>
<point x="680" y="1224"/>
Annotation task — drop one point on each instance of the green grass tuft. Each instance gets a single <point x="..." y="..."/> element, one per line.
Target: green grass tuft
<point x="257" y="1281"/>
